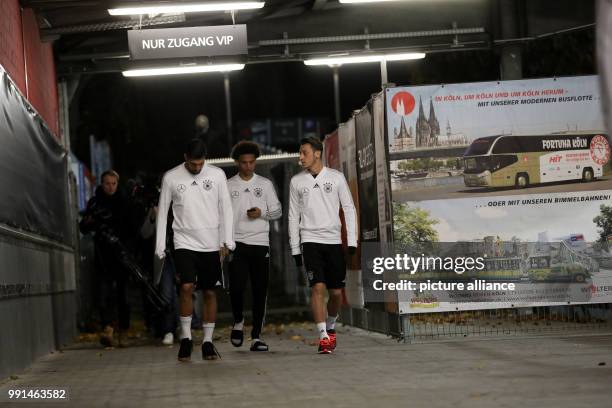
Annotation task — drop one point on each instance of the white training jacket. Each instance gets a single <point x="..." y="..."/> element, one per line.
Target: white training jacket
<point x="202" y="210"/>
<point x="256" y="192"/>
<point x="314" y="205"/>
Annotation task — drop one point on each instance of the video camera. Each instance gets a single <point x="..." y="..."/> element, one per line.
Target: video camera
<point x="99" y="223"/>
<point x="145" y="195"/>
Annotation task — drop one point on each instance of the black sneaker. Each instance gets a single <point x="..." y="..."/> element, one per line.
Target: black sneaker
<point x="259" y="345"/>
<point x="185" y="349"/>
<point x="209" y="352"/>
<point x="237" y="337"/>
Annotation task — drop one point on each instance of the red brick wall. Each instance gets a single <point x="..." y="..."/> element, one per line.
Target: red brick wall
<point x="40" y="70"/>
<point x="11" y="42"/>
<point x="28" y="61"/>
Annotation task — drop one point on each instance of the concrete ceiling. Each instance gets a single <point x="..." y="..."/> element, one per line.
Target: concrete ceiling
<point x="88" y="39"/>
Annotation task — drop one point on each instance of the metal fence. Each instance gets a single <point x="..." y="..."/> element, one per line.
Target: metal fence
<point x="507" y="322"/>
<point x="493" y="323"/>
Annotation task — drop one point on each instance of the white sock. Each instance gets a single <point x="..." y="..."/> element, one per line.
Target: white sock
<point x="185" y="332"/>
<point x="239" y="326"/>
<point x="331" y="322"/>
<point x="322" y="330"/>
<point x="208" y="331"/>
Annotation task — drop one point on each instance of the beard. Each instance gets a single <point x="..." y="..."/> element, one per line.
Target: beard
<point x="194" y="172"/>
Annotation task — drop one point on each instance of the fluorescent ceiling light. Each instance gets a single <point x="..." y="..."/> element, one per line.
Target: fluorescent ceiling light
<point x="186" y="8"/>
<point x="365" y="1"/>
<point x="356" y="59"/>
<point x="192" y="69"/>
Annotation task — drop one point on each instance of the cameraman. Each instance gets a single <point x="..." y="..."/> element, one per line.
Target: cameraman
<point x="143" y="211"/>
<point x="107" y="215"/>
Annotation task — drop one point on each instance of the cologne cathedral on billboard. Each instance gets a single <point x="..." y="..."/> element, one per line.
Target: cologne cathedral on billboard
<point x="426" y="133"/>
<point x="427" y="130"/>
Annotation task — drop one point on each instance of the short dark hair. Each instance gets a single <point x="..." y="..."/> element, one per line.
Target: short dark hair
<point x="312" y="141"/>
<point x="195" y="149"/>
<point x="245" y="147"/>
<point x="111" y="173"/>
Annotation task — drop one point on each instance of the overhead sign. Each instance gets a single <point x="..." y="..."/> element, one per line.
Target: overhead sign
<point x="188" y="42"/>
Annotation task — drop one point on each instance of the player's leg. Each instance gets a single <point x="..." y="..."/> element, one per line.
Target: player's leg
<point x="313" y="261"/>
<point x="333" y="309"/>
<point x="186" y="267"/>
<point x="335" y="278"/>
<point x="210" y="277"/>
<point x="239" y="271"/>
<point x="319" y="313"/>
<point x="317" y="304"/>
<point x="208" y="326"/>
<point x="260" y="273"/>
<point x="167" y="285"/>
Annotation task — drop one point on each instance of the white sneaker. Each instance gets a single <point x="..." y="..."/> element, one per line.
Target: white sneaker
<point x="168" y="339"/>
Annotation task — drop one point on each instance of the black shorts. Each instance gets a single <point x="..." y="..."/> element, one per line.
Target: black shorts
<point x="324" y="264"/>
<point x="201" y="268"/>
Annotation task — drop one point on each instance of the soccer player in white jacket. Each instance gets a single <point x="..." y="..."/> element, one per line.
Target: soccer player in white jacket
<point x="203" y="235"/>
<point x="315" y="197"/>
<point x="255" y="204"/>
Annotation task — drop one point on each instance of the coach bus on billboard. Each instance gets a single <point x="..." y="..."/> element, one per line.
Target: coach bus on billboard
<point x="510" y="160"/>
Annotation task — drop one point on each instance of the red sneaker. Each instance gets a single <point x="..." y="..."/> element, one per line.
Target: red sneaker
<point x="325" y="346"/>
<point x="332" y="338"/>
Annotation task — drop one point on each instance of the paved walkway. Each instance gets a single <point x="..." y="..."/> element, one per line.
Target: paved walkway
<point x="367" y="370"/>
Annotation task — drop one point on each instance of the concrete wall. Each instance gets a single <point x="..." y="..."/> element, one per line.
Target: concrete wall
<point x="37" y="276"/>
<point x="37" y="299"/>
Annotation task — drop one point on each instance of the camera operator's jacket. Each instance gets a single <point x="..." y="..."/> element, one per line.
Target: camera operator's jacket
<point x="202" y="210"/>
<point x="108" y="210"/>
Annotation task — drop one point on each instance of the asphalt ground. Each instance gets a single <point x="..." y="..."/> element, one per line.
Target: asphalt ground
<point x="366" y="370"/>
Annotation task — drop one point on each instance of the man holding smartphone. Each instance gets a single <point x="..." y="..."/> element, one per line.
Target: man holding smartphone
<point x="254" y="204"/>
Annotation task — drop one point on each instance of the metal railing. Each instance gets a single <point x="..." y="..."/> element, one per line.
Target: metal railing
<point x="491" y="323"/>
<point x="531" y="321"/>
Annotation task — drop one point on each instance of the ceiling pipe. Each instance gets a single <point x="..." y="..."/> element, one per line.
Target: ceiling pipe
<point x="367" y="37"/>
<point x="115" y="25"/>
